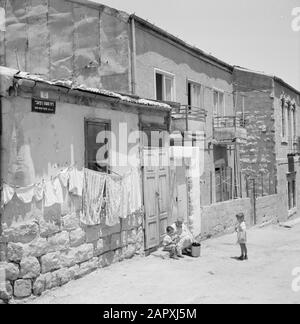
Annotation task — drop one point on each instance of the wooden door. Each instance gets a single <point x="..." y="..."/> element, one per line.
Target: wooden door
<point x="156" y="199"/>
<point x="163" y="196"/>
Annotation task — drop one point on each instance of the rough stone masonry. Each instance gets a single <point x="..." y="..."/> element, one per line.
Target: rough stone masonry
<point x="42" y="255"/>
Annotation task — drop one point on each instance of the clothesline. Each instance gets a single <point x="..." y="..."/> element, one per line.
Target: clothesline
<point x="50" y="190"/>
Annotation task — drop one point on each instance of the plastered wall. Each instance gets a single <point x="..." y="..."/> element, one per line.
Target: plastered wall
<point x="66" y="40"/>
<point x="46" y="247"/>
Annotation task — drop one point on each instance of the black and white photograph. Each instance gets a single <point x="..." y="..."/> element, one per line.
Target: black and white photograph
<point x="150" y="155"/>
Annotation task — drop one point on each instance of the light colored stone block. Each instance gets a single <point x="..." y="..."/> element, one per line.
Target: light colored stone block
<point x="59" y="242"/>
<point x="77" y="237"/>
<point x="11" y="271"/>
<point x="15" y="252"/>
<point x="70" y="222"/>
<point x="50" y="262"/>
<point x="30" y="268"/>
<point x="22" y="288"/>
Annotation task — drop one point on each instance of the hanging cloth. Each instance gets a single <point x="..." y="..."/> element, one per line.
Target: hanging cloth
<point x="25" y="194"/>
<point x="135" y="201"/>
<point x="93" y="190"/>
<point x="76" y="182"/>
<point x="126" y="188"/>
<point x="7" y="194"/>
<point x="64" y="177"/>
<point x="38" y="192"/>
<point x="50" y="196"/>
<point x="113" y="200"/>
<point x="58" y="191"/>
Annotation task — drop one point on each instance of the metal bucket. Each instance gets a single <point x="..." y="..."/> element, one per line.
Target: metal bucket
<point x="196" y="250"/>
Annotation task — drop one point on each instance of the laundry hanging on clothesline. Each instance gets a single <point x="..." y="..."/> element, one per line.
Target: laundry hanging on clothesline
<point x="93" y="197"/>
<point x="113" y="200"/>
<point x="76" y="181"/>
<point x="122" y="195"/>
<point x="6" y="194"/>
<point x="51" y="190"/>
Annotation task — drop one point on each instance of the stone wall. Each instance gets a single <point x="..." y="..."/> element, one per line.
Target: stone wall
<point x="269" y="208"/>
<point x="221" y="218"/>
<point x="258" y="153"/>
<point x="45" y="253"/>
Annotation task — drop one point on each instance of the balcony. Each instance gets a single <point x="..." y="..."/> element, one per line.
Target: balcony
<point x="229" y="129"/>
<point x="185" y="116"/>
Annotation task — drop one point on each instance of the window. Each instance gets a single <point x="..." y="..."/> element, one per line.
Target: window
<point x="283" y="119"/>
<point x="165" y="90"/>
<point x="194" y="95"/>
<point x="294" y="123"/>
<point x="289" y="114"/>
<point x="97" y="145"/>
<point x="219" y="104"/>
<point x="292" y="194"/>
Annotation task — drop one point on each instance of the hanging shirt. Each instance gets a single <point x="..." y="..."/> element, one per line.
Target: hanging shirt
<point x="50" y="196"/>
<point x="58" y="191"/>
<point x="64" y="177"/>
<point x="76" y="182"/>
<point x="93" y="190"/>
<point x="25" y="194"/>
<point x="113" y="200"/>
<point x="7" y="194"/>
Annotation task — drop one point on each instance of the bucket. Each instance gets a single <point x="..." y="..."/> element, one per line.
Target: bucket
<point x="196" y="250"/>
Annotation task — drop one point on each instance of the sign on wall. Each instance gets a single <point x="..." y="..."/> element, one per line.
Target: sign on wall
<point x="2" y="19"/>
<point x="43" y="106"/>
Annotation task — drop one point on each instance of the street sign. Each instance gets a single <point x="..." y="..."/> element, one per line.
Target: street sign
<point x="43" y="106"/>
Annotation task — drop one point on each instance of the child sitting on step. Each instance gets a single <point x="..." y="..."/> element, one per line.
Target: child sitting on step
<point x="170" y="243"/>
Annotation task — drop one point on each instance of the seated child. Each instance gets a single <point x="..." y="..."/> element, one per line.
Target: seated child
<point x="170" y="243"/>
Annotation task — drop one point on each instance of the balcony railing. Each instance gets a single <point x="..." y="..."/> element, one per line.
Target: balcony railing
<point x="229" y="122"/>
<point x="189" y="113"/>
<point x="229" y="129"/>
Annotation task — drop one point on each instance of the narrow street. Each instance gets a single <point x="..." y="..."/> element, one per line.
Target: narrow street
<point x="215" y="278"/>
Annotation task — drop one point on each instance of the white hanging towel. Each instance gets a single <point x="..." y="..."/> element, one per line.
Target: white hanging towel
<point x="7" y="194"/>
<point x="58" y="191"/>
<point x="113" y="200"/>
<point x="50" y="196"/>
<point x="76" y="182"/>
<point x="135" y="201"/>
<point x="25" y="194"/>
<point x="64" y="177"/>
<point x="126" y="188"/>
<point x="93" y="190"/>
<point x="38" y="192"/>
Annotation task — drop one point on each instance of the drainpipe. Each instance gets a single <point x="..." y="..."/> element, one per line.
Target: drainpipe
<point x="2" y="256"/>
<point x="133" y="56"/>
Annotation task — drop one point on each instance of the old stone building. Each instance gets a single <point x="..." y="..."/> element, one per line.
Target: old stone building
<point x="87" y="43"/>
<point x="216" y="126"/>
<point x="52" y="229"/>
<point x="270" y="155"/>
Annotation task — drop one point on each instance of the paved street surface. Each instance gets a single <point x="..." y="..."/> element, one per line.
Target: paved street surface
<point x="215" y="278"/>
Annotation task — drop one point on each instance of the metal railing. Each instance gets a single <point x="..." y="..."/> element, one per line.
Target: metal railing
<point x="189" y="113"/>
<point x="229" y="122"/>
